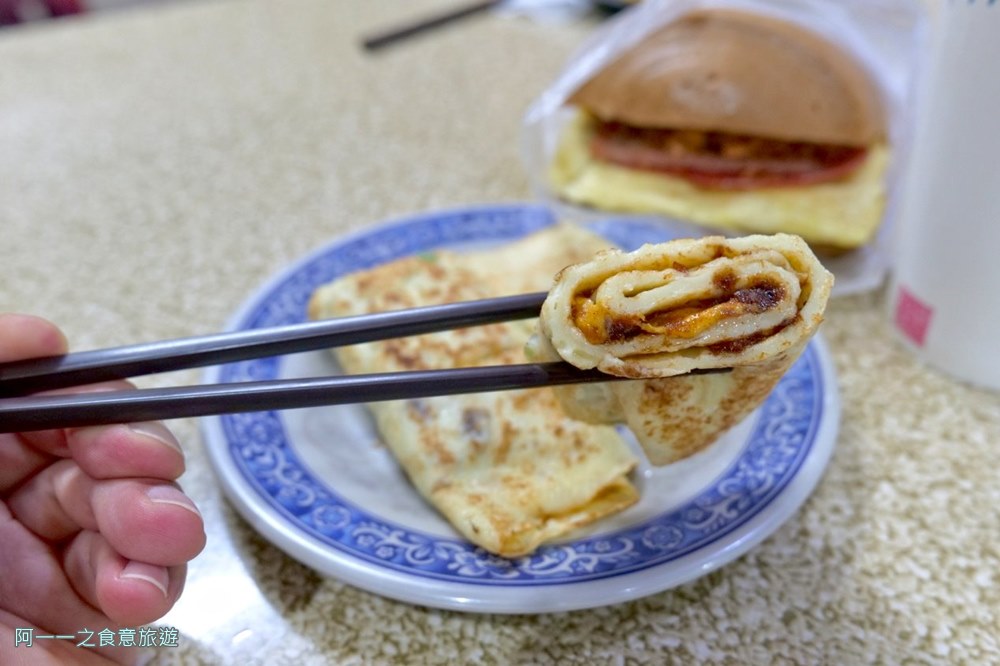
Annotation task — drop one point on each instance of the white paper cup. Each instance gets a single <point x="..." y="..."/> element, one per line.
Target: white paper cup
<point x="945" y="290"/>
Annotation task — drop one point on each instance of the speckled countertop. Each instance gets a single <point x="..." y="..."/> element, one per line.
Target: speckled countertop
<point x="158" y="164"/>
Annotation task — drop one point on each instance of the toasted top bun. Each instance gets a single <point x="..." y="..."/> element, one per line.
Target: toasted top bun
<point x="732" y="71"/>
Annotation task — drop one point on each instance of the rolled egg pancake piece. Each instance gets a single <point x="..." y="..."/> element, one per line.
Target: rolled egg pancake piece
<point x="749" y="303"/>
<point x="507" y="469"/>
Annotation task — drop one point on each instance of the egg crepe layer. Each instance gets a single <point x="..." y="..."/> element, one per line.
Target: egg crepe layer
<point x="832" y="216"/>
<point x="508" y="469"/>
<point x="749" y="303"/>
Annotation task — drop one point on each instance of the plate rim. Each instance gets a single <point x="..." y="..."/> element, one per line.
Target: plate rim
<point x="494" y="598"/>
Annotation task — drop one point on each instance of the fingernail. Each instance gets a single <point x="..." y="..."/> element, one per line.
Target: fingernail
<point x="164" y="494"/>
<point x="67" y="477"/>
<point x="148" y="572"/>
<point x="158" y="431"/>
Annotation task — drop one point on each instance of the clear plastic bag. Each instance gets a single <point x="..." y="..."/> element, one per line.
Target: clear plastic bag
<point x="886" y="37"/>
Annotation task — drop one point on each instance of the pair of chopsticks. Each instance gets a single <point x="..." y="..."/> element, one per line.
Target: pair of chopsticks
<point x="37" y="412"/>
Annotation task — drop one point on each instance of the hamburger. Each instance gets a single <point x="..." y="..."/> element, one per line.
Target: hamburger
<point x="736" y="121"/>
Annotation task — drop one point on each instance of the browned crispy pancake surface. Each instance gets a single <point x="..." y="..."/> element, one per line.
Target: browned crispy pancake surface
<point x="509" y="470"/>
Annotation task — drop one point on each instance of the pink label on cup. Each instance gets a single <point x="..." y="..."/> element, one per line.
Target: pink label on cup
<point x="913" y="316"/>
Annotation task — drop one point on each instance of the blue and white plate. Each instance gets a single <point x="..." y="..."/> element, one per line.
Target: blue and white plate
<point x="319" y="484"/>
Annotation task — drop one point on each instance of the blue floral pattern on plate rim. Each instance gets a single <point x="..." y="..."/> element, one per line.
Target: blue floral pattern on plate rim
<point x="781" y="439"/>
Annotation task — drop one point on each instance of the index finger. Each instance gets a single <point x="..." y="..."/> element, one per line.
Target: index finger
<point x="21" y="337"/>
<point x="27" y="336"/>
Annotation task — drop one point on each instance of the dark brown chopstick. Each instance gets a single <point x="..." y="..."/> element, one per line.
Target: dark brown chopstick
<point x="32" y="376"/>
<point x="426" y="24"/>
<point x="85" y="409"/>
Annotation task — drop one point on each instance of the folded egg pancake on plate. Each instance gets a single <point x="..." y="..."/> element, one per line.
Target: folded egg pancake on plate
<point x="749" y="303"/>
<point x="509" y="470"/>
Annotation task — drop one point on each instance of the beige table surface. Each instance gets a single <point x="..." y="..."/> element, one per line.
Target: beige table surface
<point x="157" y="165"/>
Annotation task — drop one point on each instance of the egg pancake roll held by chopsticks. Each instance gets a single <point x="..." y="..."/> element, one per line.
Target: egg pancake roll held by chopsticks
<point x="748" y="303"/>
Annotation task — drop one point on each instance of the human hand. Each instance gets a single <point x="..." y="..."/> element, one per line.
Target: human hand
<point x="94" y="533"/>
